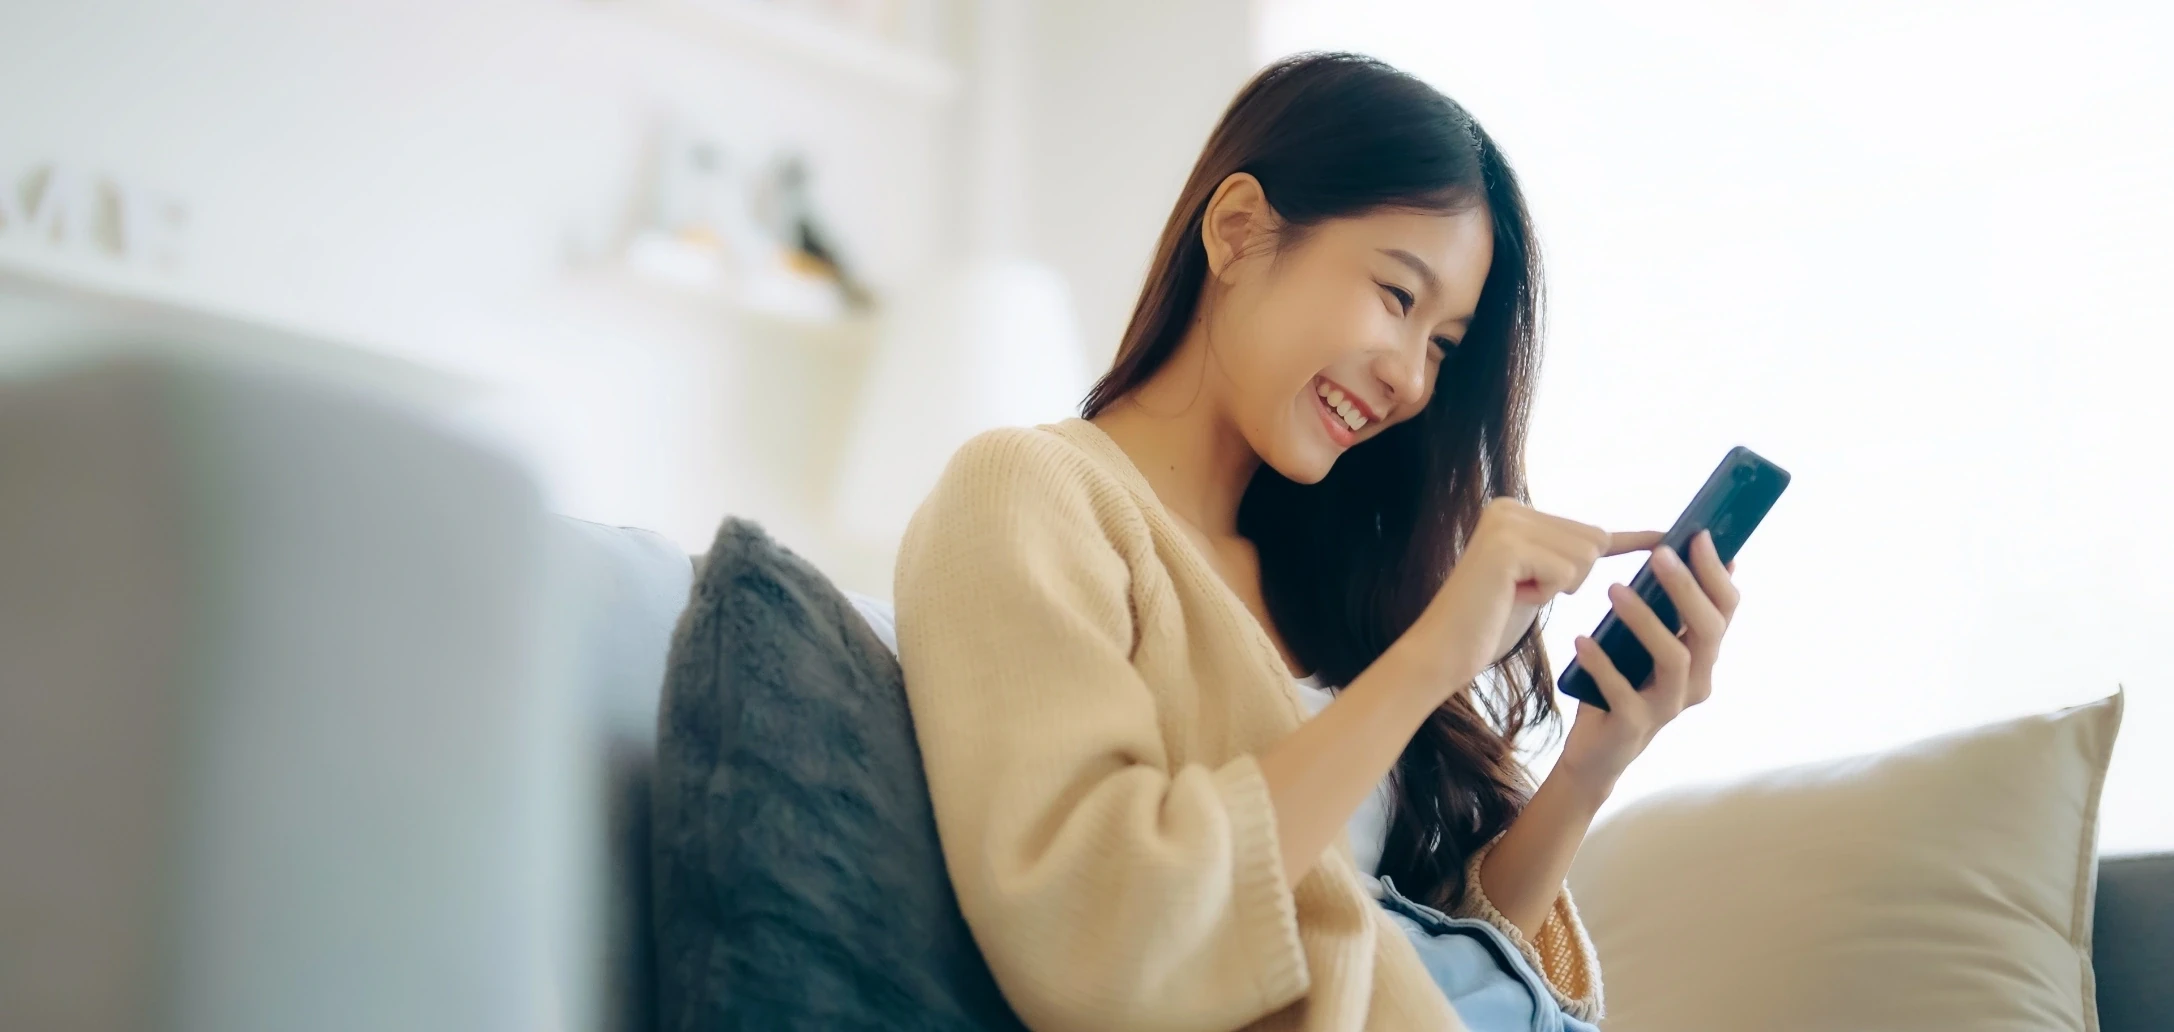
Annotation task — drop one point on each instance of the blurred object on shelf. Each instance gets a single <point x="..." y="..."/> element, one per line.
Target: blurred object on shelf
<point x="792" y="218"/>
<point x="753" y="237"/>
<point x="62" y="210"/>
<point x="703" y="194"/>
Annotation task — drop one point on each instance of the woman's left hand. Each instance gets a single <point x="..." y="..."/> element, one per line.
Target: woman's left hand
<point x="1603" y="742"/>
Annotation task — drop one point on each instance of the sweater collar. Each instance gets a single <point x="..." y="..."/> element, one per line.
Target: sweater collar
<point x="1101" y="445"/>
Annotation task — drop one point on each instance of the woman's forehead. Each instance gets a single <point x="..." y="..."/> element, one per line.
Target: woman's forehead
<point x="1434" y="234"/>
<point x="1455" y="247"/>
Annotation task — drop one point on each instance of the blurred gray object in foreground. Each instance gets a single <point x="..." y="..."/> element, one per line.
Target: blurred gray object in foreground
<point x="284" y="741"/>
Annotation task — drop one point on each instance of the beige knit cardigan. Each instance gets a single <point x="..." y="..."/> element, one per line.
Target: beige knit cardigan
<point x="1089" y="697"/>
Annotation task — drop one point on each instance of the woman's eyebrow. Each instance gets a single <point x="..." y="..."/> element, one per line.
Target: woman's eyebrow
<point x="1418" y="265"/>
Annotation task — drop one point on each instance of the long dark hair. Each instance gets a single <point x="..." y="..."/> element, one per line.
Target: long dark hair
<point x="1347" y="565"/>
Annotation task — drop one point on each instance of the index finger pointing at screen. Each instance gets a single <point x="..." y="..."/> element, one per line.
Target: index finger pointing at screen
<point x="1633" y="541"/>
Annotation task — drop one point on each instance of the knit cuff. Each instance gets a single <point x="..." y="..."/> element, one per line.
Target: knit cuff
<point x="1562" y="952"/>
<point x="1263" y="899"/>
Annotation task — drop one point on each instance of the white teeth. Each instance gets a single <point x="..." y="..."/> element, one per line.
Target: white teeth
<point x="1344" y="408"/>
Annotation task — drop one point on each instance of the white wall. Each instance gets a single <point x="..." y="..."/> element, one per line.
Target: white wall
<point x="1124" y="94"/>
<point x="1914" y="253"/>
<point x="427" y="180"/>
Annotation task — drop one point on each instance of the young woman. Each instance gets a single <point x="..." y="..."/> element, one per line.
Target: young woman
<point x="1189" y="673"/>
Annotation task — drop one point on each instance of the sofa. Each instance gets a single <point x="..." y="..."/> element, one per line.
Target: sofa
<point x="312" y="716"/>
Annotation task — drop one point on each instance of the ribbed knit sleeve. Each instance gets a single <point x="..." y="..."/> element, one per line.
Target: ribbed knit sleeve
<point x="1562" y="952"/>
<point x="1108" y="887"/>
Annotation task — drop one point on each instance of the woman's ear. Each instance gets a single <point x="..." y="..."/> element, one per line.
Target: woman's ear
<point x="1237" y="222"/>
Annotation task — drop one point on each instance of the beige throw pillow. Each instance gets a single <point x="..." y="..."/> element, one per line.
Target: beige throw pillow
<point x="1945" y="884"/>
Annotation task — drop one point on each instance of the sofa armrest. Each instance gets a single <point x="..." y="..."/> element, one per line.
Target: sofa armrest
<point x="277" y="714"/>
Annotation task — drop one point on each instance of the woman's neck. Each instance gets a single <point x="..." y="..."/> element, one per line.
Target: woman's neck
<point x="1173" y="429"/>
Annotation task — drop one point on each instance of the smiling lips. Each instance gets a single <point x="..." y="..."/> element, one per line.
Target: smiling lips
<point x="1345" y="407"/>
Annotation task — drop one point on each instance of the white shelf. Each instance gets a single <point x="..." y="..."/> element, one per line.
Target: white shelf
<point x="657" y="274"/>
<point x="655" y="262"/>
<point x="764" y="28"/>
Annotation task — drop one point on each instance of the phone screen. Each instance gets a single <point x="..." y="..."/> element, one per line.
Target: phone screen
<point x="1731" y="504"/>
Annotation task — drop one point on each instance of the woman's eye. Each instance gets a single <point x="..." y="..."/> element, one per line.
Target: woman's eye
<point x="1403" y="297"/>
<point x="1443" y="346"/>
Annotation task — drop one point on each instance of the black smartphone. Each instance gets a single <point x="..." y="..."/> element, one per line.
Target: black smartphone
<point x="1736" y="497"/>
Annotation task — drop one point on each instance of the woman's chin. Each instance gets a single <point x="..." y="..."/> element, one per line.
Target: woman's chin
<point x="1307" y="461"/>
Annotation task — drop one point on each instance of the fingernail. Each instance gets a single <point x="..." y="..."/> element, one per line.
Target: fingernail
<point x="1666" y="554"/>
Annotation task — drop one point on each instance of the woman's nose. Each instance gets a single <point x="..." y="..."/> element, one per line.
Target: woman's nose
<point x="1402" y="372"/>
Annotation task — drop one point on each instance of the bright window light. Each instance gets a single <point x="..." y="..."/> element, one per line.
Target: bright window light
<point x="1919" y="255"/>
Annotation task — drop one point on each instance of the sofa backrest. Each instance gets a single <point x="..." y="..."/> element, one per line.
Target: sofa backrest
<point x="635" y="585"/>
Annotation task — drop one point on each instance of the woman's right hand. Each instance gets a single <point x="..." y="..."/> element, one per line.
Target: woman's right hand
<point x="1515" y="561"/>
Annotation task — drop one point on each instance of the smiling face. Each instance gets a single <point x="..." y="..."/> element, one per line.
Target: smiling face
<point x="1329" y="340"/>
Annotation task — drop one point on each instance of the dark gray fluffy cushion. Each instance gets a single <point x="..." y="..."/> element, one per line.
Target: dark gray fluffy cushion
<point x="798" y="879"/>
